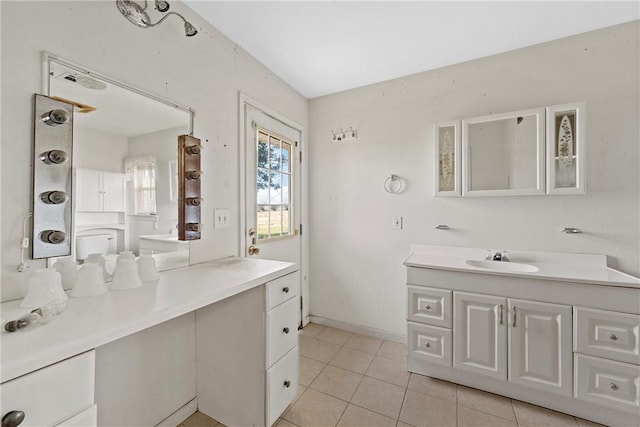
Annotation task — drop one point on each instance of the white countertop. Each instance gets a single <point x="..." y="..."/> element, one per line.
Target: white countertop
<point x="579" y="268"/>
<point x="90" y="322"/>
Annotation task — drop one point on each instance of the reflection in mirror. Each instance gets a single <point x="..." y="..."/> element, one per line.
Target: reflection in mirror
<point x="504" y="154"/>
<point x="125" y="149"/>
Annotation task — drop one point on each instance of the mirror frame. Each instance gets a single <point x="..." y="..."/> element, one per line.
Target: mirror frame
<point x="46" y="59"/>
<point x="539" y="189"/>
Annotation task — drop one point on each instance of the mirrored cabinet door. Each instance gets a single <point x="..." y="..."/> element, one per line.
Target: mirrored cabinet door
<point x="566" y="129"/>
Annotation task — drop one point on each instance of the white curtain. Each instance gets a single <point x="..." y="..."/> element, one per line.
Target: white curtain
<point x="142" y="171"/>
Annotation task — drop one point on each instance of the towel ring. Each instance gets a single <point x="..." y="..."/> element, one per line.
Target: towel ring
<point x="393" y="184"/>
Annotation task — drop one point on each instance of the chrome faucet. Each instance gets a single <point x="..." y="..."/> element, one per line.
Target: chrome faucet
<point x="497" y="256"/>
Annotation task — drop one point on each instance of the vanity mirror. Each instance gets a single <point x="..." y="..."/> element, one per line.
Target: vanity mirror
<point x="124" y="156"/>
<point x="503" y="154"/>
<point x="566" y="127"/>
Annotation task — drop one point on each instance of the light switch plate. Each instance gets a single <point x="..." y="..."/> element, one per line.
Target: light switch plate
<point x="221" y="218"/>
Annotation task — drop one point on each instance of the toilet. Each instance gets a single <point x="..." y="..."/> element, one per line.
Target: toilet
<point x="92" y="244"/>
<point x="96" y="244"/>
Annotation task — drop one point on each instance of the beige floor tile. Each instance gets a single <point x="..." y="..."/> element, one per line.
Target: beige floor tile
<point x="486" y="402"/>
<point x="379" y="396"/>
<point x="391" y="371"/>
<point x="356" y="416"/>
<point x="401" y="424"/>
<point x="309" y="370"/>
<point x="363" y="343"/>
<point x="198" y="419"/>
<point x="392" y="350"/>
<point x="315" y="409"/>
<point x="311" y="330"/>
<point x="433" y="387"/>
<point x="353" y="360"/>
<point x="337" y="382"/>
<point x="333" y="335"/>
<point x="284" y="423"/>
<point x="468" y="417"/>
<point x="301" y="389"/>
<point x="587" y="423"/>
<point x="321" y="351"/>
<point x="423" y="410"/>
<point x="532" y="415"/>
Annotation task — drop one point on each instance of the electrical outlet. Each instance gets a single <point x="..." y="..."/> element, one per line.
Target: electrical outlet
<point x="221" y="218"/>
<point x="397" y="223"/>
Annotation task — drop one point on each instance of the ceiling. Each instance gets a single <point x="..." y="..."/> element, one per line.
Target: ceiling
<point x="323" y="47"/>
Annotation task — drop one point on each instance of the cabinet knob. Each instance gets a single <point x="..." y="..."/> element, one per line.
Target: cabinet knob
<point x="428" y="307"/>
<point x="613" y="386"/>
<point x="287" y="383"/>
<point x="613" y="337"/>
<point x="285" y="330"/>
<point x="285" y="289"/>
<point x="428" y="345"/>
<point x="12" y="419"/>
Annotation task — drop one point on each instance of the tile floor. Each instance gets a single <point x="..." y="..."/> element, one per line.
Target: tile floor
<point x="349" y="379"/>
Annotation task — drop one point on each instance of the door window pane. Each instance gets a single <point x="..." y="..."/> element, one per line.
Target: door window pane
<point x="274" y="178"/>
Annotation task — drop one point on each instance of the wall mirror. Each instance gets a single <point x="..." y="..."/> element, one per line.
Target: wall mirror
<point x="503" y="154"/>
<point x="566" y="128"/>
<point x="124" y="154"/>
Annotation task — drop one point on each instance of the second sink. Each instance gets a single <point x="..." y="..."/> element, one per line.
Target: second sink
<point x="503" y="266"/>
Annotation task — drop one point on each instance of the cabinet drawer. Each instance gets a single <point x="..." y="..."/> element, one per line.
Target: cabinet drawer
<point x="429" y="343"/>
<point x="282" y="289"/>
<point x="51" y="395"/>
<point x="607" y="382"/>
<point x="430" y="306"/>
<point x="607" y="334"/>
<point x="86" y="418"/>
<point x="282" y="385"/>
<point x="282" y="330"/>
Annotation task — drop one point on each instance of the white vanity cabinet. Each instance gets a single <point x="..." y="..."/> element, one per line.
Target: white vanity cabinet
<point x="59" y="395"/>
<point x="248" y="364"/>
<point x="531" y="339"/>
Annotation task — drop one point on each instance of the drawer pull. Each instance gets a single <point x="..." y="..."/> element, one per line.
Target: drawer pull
<point x="12" y="419"/>
<point x="501" y="313"/>
<point x="427" y="345"/>
<point x="513" y="310"/>
<point x="285" y="289"/>
<point x="613" y="337"/>
<point x="287" y="383"/>
<point x="613" y="386"/>
<point x="285" y="330"/>
<point x="428" y="307"/>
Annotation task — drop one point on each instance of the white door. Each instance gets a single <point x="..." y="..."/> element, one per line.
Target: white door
<point x="88" y="187"/>
<point x="540" y="345"/>
<point x="272" y="189"/>
<point x="480" y="335"/>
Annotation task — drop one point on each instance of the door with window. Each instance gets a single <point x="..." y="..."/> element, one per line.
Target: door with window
<point x="272" y="188"/>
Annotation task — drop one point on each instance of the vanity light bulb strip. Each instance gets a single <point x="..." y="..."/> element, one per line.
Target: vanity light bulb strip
<point x="189" y="188"/>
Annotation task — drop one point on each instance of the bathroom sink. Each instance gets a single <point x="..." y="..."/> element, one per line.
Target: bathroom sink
<point x="503" y="266"/>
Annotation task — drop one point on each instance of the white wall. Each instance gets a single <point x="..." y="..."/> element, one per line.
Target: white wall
<point x="204" y="72"/>
<point x="356" y="257"/>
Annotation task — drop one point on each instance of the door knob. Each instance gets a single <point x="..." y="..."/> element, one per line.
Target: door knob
<point x="253" y="250"/>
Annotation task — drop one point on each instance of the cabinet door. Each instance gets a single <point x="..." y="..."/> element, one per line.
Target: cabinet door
<point x="88" y="191"/>
<point x="540" y="345"/>
<point x="113" y="192"/>
<point x="480" y="335"/>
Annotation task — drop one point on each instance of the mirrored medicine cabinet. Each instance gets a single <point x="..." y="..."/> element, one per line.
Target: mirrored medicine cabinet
<point x="529" y="152"/>
<point x="125" y="148"/>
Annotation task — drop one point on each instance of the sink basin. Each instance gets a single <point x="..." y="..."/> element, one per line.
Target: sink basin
<point x="503" y="266"/>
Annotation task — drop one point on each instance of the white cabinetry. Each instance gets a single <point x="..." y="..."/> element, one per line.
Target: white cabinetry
<point x="248" y="365"/>
<point x="60" y="394"/>
<point x="534" y="340"/>
<point x="99" y="191"/>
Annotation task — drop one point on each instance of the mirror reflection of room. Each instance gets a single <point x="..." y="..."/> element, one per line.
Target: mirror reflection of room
<point x="125" y="150"/>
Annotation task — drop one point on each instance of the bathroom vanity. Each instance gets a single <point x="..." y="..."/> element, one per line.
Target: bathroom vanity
<point x="243" y="353"/>
<point x="556" y="330"/>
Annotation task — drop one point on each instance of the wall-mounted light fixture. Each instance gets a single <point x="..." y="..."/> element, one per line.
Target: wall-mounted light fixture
<point x="137" y="15"/>
<point x="344" y="134"/>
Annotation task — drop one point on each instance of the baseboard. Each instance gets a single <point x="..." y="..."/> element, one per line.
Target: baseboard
<point x="358" y="329"/>
<point x="180" y="415"/>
